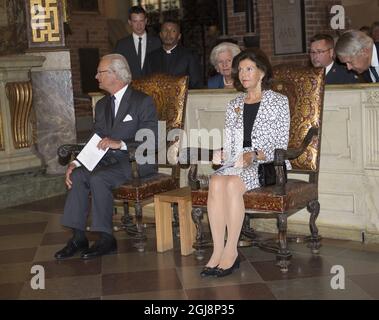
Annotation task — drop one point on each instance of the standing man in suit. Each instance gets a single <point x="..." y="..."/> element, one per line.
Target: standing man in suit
<point x="360" y="54"/>
<point x="321" y="54"/>
<point x="118" y="117"/>
<point x="139" y="44"/>
<point x="173" y="58"/>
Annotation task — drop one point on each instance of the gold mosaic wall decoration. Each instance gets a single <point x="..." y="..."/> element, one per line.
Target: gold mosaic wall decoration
<point x="45" y="23"/>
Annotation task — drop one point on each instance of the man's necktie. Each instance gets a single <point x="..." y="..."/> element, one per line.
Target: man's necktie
<point x="373" y="71"/>
<point x="139" y="52"/>
<point x="113" y="107"/>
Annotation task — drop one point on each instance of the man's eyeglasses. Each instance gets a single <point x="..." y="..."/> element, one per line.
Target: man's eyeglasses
<point x="317" y="52"/>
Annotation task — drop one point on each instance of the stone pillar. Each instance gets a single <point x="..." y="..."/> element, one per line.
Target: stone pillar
<point x="52" y="84"/>
<point x="54" y="105"/>
<point x="17" y="117"/>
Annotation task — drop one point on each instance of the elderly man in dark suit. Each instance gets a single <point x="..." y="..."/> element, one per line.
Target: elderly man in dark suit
<point x="321" y="53"/>
<point x="360" y="54"/>
<point x="173" y="58"/>
<point x="118" y="117"/>
<point x="139" y="44"/>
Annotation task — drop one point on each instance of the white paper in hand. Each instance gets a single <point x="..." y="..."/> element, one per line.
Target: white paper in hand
<point x="90" y="154"/>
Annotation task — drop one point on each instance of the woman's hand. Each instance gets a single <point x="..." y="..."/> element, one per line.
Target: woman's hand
<point x="245" y="159"/>
<point x="218" y="157"/>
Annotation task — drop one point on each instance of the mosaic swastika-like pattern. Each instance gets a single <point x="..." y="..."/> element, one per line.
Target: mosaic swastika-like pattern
<point x="44" y="21"/>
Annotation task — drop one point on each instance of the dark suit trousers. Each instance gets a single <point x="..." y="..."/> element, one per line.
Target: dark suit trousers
<point x="99" y="184"/>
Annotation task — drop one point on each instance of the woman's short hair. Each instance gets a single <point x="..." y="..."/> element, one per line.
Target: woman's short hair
<point x="119" y="65"/>
<point x="222" y="47"/>
<point x="262" y="62"/>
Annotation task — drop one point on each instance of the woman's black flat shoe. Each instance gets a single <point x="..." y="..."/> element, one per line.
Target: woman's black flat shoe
<point x="225" y="272"/>
<point x="208" y="271"/>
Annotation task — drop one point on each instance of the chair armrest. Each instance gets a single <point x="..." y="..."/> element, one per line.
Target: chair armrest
<point x="292" y="154"/>
<point x="281" y="155"/>
<point x="68" y="151"/>
<point x="189" y="157"/>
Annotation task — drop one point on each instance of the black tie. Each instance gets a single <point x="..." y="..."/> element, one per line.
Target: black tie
<point x="139" y="52"/>
<point x="113" y="107"/>
<point x="373" y="71"/>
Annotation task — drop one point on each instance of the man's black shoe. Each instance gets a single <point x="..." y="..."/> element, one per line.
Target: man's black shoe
<point x="72" y="247"/>
<point x="100" y="247"/>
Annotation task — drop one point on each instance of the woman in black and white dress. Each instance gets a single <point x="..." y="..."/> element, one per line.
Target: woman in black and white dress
<point x="257" y="122"/>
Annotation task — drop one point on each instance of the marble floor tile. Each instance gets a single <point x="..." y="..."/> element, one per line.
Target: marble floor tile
<point x="253" y="291"/>
<point x="301" y="266"/>
<point x="141" y="281"/>
<point x="22" y="228"/>
<point x="20" y="241"/>
<point x="10" y="291"/>
<point x="351" y="267"/>
<point x="151" y="295"/>
<point x="15" y="272"/>
<point x="130" y="262"/>
<point x="70" y="267"/>
<point x="12" y="216"/>
<point x="17" y="255"/>
<point x="360" y="255"/>
<point x="368" y="282"/>
<point x="51" y="205"/>
<point x="71" y="288"/>
<point x="31" y="234"/>
<point x="315" y="288"/>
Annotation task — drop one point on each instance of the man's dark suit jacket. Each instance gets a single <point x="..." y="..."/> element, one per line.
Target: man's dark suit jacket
<point x="366" y="74"/>
<point x="180" y="62"/>
<point x="339" y="74"/>
<point x="142" y="112"/>
<point x="126" y="47"/>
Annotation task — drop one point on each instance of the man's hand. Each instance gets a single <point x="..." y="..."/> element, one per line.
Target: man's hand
<point x="109" y="143"/>
<point x="69" y="170"/>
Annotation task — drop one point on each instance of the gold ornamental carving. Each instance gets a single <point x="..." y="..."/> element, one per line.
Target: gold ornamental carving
<point x="1" y="132"/>
<point x="20" y="104"/>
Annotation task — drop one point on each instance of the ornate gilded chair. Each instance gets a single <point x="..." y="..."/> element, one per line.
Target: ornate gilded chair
<point x="170" y="97"/>
<point x="305" y="89"/>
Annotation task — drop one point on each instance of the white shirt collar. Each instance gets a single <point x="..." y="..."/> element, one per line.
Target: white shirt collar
<point x="118" y="96"/>
<point x="328" y="67"/>
<point x="374" y="58"/>
<point x="169" y="51"/>
<point x="120" y="93"/>
<point x="135" y="37"/>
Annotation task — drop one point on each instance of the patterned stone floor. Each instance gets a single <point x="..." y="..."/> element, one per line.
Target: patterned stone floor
<point x="31" y="233"/>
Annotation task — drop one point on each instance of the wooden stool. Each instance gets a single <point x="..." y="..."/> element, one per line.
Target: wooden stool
<point x="163" y="220"/>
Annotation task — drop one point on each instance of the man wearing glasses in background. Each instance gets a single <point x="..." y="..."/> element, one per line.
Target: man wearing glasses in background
<point x="322" y="55"/>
